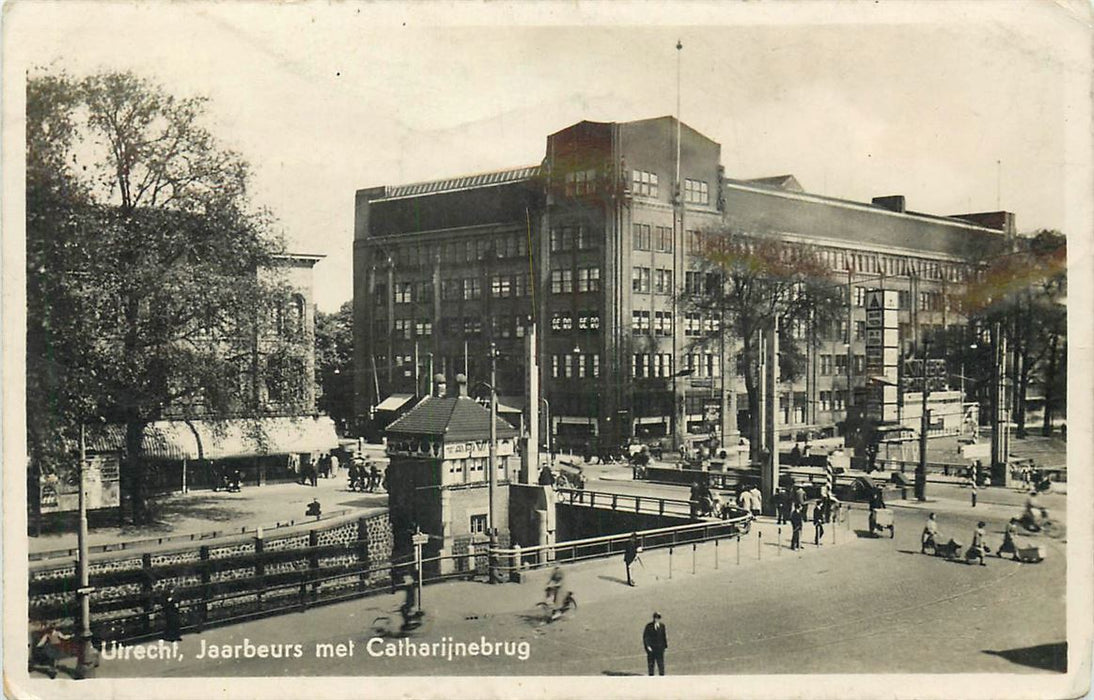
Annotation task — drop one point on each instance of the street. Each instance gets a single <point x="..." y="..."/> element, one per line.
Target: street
<point x="865" y="605"/>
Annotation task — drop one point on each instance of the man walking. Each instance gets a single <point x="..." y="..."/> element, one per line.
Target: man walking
<point x="655" y="640"/>
<point x="796" y="516"/>
<point x="818" y="523"/>
<point x="630" y="554"/>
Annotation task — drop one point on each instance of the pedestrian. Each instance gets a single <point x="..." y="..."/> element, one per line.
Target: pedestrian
<point x="978" y="548"/>
<point x="655" y="640"/>
<point x="334" y="465"/>
<point x="930" y="534"/>
<point x="172" y="619"/>
<point x="818" y="523"/>
<point x="630" y="554"/>
<point x="757" y="500"/>
<point x="313" y="474"/>
<point x="354" y="475"/>
<point x="780" y="506"/>
<point x="795" y="455"/>
<point x="796" y="516"/>
<point x="799" y="497"/>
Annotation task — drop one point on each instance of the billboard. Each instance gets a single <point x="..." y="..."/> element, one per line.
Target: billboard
<point x="60" y="490"/>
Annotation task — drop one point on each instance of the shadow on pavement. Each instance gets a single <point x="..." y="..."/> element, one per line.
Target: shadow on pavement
<point x="203" y="508"/>
<point x="613" y="579"/>
<point x="1048" y="657"/>
<point x="620" y="673"/>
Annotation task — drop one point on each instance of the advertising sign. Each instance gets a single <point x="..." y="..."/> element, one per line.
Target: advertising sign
<point x="60" y="491"/>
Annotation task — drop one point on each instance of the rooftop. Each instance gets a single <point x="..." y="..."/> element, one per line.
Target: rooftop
<point x="455" y="418"/>
<point x="463" y="182"/>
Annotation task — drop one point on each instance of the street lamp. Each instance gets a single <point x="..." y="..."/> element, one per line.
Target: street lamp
<point x="921" y="468"/>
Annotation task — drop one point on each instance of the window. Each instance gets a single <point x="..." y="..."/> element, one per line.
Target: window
<point x="825" y="365"/>
<point x="841" y="364"/>
<point x="472" y="288"/>
<point x="711" y="325"/>
<point x="640" y="280"/>
<point x="825" y="400"/>
<point x="478" y="524"/>
<point x="860" y="330"/>
<point x="562" y="238"/>
<point x="562" y="281"/>
<point x="662" y="323"/>
<point x="423" y="328"/>
<point x="380" y="295"/>
<point x="860" y="296"/>
<point x="696" y="192"/>
<point x="859" y="364"/>
<point x="520" y="284"/>
<point x="580" y="182"/>
<point x="662" y="366"/>
<point x="403" y="328"/>
<point x="640" y="365"/>
<point x="562" y="321"/>
<point x="662" y="281"/>
<point x="640" y="322"/>
<point x="451" y="289"/>
<point x="642" y="237"/>
<point x="644" y="184"/>
<point x="588" y="279"/>
<point x="472" y="325"/>
<point x="693" y="282"/>
<point x="904" y="299"/>
<point x="663" y="240"/>
<point x="404" y="292"/>
<point x="589" y="321"/>
<point x="693" y="241"/>
<point x="501" y="286"/>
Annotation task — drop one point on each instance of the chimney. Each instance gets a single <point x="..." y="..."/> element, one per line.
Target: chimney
<point x="461" y="385"/>
<point x="893" y="202"/>
<point x="440" y="388"/>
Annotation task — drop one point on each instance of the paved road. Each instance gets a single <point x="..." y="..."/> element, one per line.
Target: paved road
<point x="864" y="605"/>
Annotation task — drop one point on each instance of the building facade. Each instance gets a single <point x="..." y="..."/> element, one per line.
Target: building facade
<point x="597" y="246"/>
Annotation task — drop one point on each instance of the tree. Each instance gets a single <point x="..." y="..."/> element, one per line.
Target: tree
<point x="1024" y="291"/>
<point x="144" y="293"/>
<point x="334" y="364"/>
<point x="749" y="281"/>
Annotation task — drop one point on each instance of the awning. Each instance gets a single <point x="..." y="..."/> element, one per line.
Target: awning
<point x="511" y="404"/>
<point x="394" y="402"/>
<point x="223" y="439"/>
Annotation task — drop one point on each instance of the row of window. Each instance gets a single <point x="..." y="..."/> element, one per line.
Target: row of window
<point x="645" y="365"/>
<point x="646" y="237"/>
<point x="662" y="323"/>
<point x="696" y="192"/>
<point x="503" y="326"/>
<point x="571" y="237"/>
<point x="575" y="366"/>
<point x="643" y="279"/>
<point x="511" y="245"/>
<point x="696" y="325"/>
<point x="563" y="321"/>
<point x="588" y="280"/>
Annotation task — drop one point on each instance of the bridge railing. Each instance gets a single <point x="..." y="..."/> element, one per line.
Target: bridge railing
<point x="654" y="505"/>
<point x="511" y="560"/>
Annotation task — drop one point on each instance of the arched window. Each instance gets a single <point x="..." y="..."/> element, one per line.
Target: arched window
<point x="297" y="315"/>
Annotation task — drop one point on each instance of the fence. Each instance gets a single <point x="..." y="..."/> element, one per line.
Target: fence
<point x="222" y="582"/>
<point x="514" y="559"/>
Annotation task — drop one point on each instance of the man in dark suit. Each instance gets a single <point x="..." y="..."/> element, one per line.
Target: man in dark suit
<point x="655" y="641"/>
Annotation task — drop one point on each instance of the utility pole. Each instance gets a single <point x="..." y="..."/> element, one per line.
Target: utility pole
<point x="921" y="468"/>
<point x="769" y="470"/>
<point x="491" y="523"/>
<point x="83" y="664"/>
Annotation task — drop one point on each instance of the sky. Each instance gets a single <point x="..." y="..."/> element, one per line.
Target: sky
<point x="958" y="106"/>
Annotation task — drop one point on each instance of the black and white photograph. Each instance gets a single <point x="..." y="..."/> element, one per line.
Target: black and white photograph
<point x="492" y="349"/>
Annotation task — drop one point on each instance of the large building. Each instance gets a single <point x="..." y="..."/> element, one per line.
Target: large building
<point x="596" y="246"/>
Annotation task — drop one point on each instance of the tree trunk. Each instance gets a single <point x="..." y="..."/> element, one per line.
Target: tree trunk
<point x="1020" y="399"/>
<point x="133" y="482"/>
<point x="752" y="389"/>
<point x="1050" y="386"/>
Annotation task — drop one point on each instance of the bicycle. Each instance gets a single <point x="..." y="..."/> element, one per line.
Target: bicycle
<point x="390" y="626"/>
<point x="551" y="612"/>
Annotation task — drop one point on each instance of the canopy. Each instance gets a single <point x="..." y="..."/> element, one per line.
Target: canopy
<point x="223" y="439"/>
<point x="394" y="402"/>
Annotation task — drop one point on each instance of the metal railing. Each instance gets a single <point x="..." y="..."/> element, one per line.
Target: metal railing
<point x="652" y="505"/>
<point x="513" y="559"/>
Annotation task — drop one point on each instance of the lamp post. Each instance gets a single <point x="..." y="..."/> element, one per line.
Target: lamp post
<point x="921" y="468"/>
<point x="550" y="456"/>
<point x="493" y="462"/>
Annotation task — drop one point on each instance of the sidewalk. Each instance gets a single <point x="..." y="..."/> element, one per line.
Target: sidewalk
<point x="276" y="508"/>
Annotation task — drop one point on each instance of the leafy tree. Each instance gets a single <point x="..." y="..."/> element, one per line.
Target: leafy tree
<point x="750" y="281"/>
<point x="334" y="364"/>
<point x="144" y="298"/>
<point x="1023" y="291"/>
